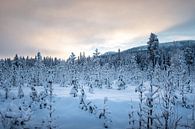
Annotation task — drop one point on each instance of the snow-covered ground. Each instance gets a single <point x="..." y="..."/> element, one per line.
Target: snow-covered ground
<point x="68" y="115"/>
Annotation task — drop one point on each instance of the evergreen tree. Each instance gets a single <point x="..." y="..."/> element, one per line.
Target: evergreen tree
<point x="132" y="121"/>
<point x="74" y="90"/>
<point x="51" y="110"/>
<point x="121" y="84"/>
<point x="91" y="90"/>
<point x="105" y="114"/>
<point x="20" y="92"/>
<point x="153" y="49"/>
<point x="141" y="89"/>
<point x="96" y="53"/>
<point x="38" y="70"/>
<point x="83" y="104"/>
<point x="189" y="58"/>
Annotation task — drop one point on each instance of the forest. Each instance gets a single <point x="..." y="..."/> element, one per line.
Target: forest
<point x="147" y="87"/>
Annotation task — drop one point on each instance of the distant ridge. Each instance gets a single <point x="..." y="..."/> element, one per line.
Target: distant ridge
<point x="182" y="44"/>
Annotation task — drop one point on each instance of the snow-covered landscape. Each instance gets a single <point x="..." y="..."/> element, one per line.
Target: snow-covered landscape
<point x="97" y="64"/>
<point x="148" y="87"/>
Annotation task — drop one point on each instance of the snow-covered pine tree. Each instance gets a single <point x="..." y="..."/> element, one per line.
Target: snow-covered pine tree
<point x="185" y="89"/>
<point x="153" y="49"/>
<point x="97" y="82"/>
<point x="5" y="78"/>
<point x="132" y="117"/>
<point x="71" y="62"/>
<point x="105" y="114"/>
<point x="83" y="104"/>
<point x="107" y="83"/>
<point x="17" y="65"/>
<point x="38" y="69"/>
<point x="63" y="80"/>
<point x="74" y="90"/>
<point x="7" y="87"/>
<point x="121" y="84"/>
<point x="97" y="69"/>
<point x="43" y="96"/>
<point x="96" y="53"/>
<point x="20" y="92"/>
<point x="50" y="108"/>
<point x="33" y="95"/>
<point x="141" y="89"/>
<point x="91" y="90"/>
<point x="189" y="59"/>
<point x="151" y="95"/>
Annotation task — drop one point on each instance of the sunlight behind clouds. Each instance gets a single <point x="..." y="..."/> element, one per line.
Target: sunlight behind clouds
<point x="58" y="28"/>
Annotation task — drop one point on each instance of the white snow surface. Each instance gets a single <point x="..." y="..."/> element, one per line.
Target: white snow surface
<point x="68" y="115"/>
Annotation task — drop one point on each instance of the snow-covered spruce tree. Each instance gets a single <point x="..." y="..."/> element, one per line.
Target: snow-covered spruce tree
<point x="5" y="79"/>
<point x="132" y="119"/>
<point x="33" y="96"/>
<point x="136" y="73"/>
<point x="96" y="53"/>
<point x="83" y="104"/>
<point x="107" y="83"/>
<point x="185" y="88"/>
<point x="151" y="95"/>
<point x="97" y="82"/>
<point x="105" y="114"/>
<point x="63" y="80"/>
<point x="153" y="49"/>
<point x="106" y="75"/>
<point x="16" y="71"/>
<point x="121" y="84"/>
<point x="43" y="99"/>
<point x="140" y="60"/>
<point x="1" y="73"/>
<point x="7" y="87"/>
<point x="74" y="90"/>
<point x="97" y="69"/>
<point x="43" y="95"/>
<point x="189" y="58"/>
<point x="50" y="105"/>
<point x="71" y="62"/>
<point x="38" y="69"/>
<point x="20" y="92"/>
<point x="91" y="90"/>
<point x="141" y="89"/>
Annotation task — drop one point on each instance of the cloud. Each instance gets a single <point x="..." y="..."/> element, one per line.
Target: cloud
<point x="184" y="31"/>
<point x="62" y="26"/>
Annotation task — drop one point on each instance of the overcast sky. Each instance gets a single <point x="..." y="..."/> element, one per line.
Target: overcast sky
<point x="59" y="27"/>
